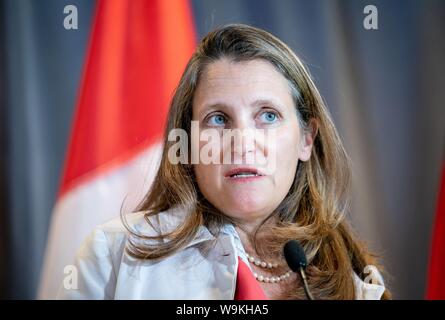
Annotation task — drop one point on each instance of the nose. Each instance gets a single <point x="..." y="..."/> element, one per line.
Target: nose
<point x="244" y="141"/>
<point x="243" y="145"/>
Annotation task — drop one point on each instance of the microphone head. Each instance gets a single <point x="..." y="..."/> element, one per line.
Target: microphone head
<point x="294" y="255"/>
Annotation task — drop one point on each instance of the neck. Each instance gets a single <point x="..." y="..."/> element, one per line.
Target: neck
<point x="247" y="230"/>
<point x="249" y="227"/>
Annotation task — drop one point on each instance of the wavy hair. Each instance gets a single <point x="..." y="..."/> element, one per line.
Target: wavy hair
<point x="313" y="212"/>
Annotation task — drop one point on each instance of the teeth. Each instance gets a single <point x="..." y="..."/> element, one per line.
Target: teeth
<point x="245" y="174"/>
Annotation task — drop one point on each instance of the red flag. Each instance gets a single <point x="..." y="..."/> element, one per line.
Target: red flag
<point x="436" y="276"/>
<point x="137" y="52"/>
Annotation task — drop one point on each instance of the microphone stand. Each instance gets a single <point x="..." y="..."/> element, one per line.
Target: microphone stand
<point x="305" y="285"/>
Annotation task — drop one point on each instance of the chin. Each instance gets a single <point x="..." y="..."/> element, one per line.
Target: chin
<point x="247" y="209"/>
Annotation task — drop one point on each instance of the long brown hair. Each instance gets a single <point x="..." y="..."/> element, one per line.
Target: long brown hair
<point x="313" y="212"/>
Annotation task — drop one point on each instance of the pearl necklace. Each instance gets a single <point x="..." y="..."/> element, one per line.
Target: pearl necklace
<point x="267" y="265"/>
<point x="260" y="263"/>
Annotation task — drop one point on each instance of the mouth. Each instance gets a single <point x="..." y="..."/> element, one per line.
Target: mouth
<point x="243" y="173"/>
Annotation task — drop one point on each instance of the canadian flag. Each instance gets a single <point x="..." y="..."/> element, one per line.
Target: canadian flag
<point x="436" y="275"/>
<point x="137" y="52"/>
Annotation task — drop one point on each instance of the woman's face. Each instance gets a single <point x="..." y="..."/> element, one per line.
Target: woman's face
<point x="250" y="95"/>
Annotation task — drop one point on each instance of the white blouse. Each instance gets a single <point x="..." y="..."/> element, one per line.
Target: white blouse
<point x="104" y="270"/>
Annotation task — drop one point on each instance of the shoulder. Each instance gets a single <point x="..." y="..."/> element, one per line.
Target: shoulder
<point x="372" y="287"/>
<point x="98" y="260"/>
<point x="141" y="222"/>
<point x="112" y="235"/>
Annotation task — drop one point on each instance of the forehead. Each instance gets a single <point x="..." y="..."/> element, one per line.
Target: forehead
<point x="231" y="82"/>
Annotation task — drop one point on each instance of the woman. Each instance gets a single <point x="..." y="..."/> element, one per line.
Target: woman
<point x="207" y="228"/>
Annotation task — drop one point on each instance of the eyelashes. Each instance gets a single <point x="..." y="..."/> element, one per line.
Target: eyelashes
<point x="266" y="116"/>
<point x="217" y="119"/>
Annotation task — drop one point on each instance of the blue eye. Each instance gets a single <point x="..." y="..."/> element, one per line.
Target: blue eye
<point x="269" y="117"/>
<point x="217" y="120"/>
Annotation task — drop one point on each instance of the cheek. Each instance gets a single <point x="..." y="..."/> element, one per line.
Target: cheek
<point x="206" y="177"/>
<point x="287" y="147"/>
<point x="286" y="153"/>
<point x="201" y="174"/>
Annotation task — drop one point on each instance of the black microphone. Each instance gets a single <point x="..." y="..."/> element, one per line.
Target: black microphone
<point x="296" y="260"/>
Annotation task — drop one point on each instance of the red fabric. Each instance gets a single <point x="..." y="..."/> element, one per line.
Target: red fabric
<point x="436" y="276"/>
<point x="247" y="287"/>
<point x="137" y="52"/>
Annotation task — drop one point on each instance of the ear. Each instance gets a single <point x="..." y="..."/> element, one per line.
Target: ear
<point x="307" y="140"/>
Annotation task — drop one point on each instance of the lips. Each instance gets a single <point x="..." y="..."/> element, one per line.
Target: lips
<point x="244" y="172"/>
